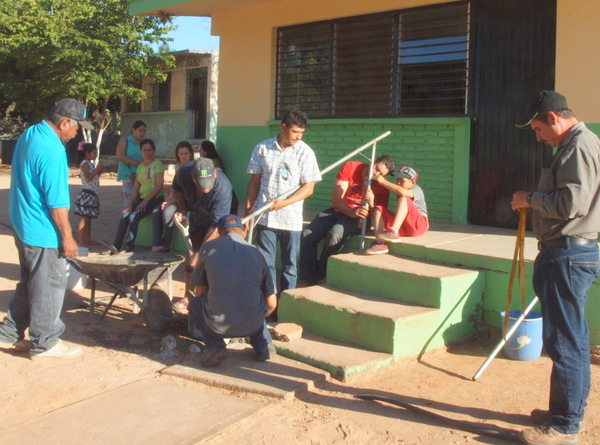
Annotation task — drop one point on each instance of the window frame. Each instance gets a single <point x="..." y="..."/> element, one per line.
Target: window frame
<point x="319" y="71"/>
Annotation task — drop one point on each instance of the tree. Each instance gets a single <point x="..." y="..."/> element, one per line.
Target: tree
<point x="91" y="50"/>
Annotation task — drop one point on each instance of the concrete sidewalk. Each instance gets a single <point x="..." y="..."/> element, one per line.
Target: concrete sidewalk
<point x="156" y="411"/>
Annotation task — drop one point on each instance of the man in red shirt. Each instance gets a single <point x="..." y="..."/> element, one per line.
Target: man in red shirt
<point x="341" y="221"/>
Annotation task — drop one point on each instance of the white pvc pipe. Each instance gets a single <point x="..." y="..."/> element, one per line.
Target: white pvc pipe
<point x="510" y="332"/>
<point x="268" y="205"/>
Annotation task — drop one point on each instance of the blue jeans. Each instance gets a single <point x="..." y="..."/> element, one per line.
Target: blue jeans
<point x="561" y="280"/>
<point x="260" y="339"/>
<point x="131" y="220"/>
<point x="289" y="246"/>
<point x="334" y="225"/>
<point x="38" y="298"/>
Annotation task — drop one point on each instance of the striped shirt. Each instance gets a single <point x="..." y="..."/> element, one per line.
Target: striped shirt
<point x="282" y="170"/>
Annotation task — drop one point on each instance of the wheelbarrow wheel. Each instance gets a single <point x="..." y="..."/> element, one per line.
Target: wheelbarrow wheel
<point x="158" y="313"/>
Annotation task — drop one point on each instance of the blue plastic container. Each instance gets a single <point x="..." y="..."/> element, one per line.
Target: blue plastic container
<point x="526" y="342"/>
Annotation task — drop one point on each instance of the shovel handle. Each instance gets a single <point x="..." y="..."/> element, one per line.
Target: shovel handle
<point x="186" y="234"/>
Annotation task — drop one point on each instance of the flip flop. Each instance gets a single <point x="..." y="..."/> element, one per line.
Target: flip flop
<point x="180" y="307"/>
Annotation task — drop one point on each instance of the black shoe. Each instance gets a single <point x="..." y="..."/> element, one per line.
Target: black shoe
<point x="266" y="355"/>
<point x="214" y="357"/>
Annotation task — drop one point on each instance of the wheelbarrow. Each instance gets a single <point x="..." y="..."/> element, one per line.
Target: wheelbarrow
<point x="126" y="273"/>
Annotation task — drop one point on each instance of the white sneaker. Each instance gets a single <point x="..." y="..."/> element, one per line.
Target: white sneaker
<point x="59" y="350"/>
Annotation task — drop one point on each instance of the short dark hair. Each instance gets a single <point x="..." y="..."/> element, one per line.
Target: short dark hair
<point x="150" y="142"/>
<point x="138" y="124"/>
<point x="57" y="119"/>
<point x="294" y="117"/>
<point x="387" y="161"/>
<point x="565" y="113"/>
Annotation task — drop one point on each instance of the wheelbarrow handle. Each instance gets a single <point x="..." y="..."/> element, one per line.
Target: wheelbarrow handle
<point x="76" y="265"/>
<point x="186" y="234"/>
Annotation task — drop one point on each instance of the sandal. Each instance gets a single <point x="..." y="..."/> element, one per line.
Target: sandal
<point x="181" y="306"/>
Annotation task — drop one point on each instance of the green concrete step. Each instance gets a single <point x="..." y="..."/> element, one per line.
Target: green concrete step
<point x="404" y="279"/>
<point x="342" y="360"/>
<point x="372" y="322"/>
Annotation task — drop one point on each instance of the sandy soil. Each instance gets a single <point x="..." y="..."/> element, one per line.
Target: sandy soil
<point x="120" y="350"/>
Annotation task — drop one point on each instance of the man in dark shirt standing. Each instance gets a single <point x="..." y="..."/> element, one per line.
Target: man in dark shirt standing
<point x="208" y="195"/>
<point x="566" y="221"/>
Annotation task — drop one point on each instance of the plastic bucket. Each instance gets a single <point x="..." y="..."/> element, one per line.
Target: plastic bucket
<point x="75" y="279"/>
<point x="526" y="342"/>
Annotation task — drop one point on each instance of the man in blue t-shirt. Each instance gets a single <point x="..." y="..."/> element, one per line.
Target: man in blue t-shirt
<point x="39" y="212"/>
<point x="208" y="195"/>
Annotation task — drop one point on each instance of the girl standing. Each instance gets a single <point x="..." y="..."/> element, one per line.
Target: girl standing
<point x="88" y="203"/>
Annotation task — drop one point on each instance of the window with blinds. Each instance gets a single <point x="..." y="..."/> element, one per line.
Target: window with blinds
<point x="410" y="62"/>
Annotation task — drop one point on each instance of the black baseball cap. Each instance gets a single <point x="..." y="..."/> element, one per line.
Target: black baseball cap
<point x="203" y="172"/>
<point x="72" y="109"/>
<point x="543" y="102"/>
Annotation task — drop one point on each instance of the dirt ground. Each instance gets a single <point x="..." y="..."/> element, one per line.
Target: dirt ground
<point x="120" y="350"/>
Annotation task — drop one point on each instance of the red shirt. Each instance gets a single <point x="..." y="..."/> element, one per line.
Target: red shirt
<point x="351" y="172"/>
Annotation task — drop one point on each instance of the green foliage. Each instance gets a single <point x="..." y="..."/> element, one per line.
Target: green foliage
<point x="92" y="50"/>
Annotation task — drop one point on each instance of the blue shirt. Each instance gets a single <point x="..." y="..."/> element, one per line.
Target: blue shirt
<point x="238" y="281"/>
<point x="207" y="209"/>
<point x="39" y="176"/>
<point x="132" y="151"/>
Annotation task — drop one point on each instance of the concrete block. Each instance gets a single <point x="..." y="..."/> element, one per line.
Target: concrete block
<point x="287" y="332"/>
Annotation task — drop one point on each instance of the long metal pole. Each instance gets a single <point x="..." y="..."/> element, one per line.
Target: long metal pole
<point x="363" y="229"/>
<point x="510" y="332"/>
<point x="268" y="205"/>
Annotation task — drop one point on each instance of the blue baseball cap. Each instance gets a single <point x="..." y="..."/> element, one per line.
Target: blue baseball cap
<point x="229" y="221"/>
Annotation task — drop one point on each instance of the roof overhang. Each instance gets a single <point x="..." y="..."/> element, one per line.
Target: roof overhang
<point x="192" y="8"/>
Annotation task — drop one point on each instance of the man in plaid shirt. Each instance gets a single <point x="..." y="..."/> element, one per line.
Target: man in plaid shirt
<point x="278" y="165"/>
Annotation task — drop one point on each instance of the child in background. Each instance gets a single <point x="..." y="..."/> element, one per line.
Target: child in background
<point x="410" y="218"/>
<point x="88" y="203"/>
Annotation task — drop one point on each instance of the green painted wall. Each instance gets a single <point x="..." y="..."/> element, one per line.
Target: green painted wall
<point x="235" y="145"/>
<point x="438" y="147"/>
<point x="594" y="127"/>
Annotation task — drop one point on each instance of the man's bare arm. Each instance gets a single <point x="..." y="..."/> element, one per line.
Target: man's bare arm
<point x="60" y="216"/>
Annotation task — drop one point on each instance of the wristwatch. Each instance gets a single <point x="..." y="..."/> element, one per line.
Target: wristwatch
<point x="528" y="199"/>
